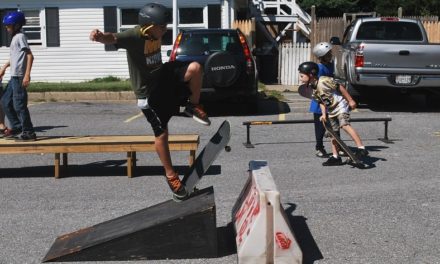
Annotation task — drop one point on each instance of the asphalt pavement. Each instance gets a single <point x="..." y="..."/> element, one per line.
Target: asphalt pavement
<point x="387" y="213"/>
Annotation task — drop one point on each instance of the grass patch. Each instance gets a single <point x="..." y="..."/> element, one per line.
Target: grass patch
<point x="108" y="84"/>
<point x="270" y="94"/>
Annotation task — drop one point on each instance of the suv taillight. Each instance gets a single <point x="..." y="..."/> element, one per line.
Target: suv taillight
<point x="359" y="56"/>
<point x="175" y="47"/>
<point x="247" y="52"/>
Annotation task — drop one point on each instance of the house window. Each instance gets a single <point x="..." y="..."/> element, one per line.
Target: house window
<point x="129" y="19"/>
<point x="32" y="29"/>
<point x="190" y="15"/>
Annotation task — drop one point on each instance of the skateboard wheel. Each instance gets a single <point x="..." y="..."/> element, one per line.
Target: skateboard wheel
<point x="227" y="148"/>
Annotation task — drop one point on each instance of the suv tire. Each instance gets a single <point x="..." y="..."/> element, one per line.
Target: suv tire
<point x="221" y="69"/>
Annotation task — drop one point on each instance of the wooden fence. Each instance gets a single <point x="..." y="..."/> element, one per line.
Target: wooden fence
<point x="433" y="30"/>
<point x="290" y="56"/>
<point x="325" y="28"/>
<point x="322" y="29"/>
<point x="248" y="29"/>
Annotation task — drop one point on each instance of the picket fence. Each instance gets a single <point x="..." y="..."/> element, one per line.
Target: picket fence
<point x="290" y="56"/>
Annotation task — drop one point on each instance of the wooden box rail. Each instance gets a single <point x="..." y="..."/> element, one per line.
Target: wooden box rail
<point x="62" y="145"/>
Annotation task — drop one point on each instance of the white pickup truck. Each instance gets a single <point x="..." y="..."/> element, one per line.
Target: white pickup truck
<point x="387" y="52"/>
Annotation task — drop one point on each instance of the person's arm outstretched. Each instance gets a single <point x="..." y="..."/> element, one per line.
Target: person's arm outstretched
<point x="103" y="37"/>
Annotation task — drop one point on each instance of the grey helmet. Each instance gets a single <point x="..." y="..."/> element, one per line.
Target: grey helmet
<point x="322" y="48"/>
<point x="309" y="67"/>
<point x="154" y="14"/>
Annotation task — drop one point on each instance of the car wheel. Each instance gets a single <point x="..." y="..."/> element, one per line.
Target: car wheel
<point x="221" y="69"/>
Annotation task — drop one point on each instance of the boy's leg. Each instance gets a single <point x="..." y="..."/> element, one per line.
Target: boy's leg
<point x="319" y="135"/>
<point x="334" y="160"/>
<point x="353" y="134"/>
<point x="20" y="101"/>
<point x="344" y="120"/>
<point x="193" y="76"/>
<point x="346" y="126"/>
<point x="2" y="117"/>
<point x="159" y="126"/>
<point x="8" y="106"/>
<point x="163" y="150"/>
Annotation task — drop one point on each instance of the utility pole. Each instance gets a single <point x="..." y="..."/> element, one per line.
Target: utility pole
<point x="174" y="20"/>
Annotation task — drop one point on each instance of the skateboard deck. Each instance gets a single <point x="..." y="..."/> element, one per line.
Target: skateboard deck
<point x="353" y="159"/>
<point x="207" y="156"/>
<point x="305" y="91"/>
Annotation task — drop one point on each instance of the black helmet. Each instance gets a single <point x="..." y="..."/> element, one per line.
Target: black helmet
<point x="155" y="14"/>
<point x="309" y="67"/>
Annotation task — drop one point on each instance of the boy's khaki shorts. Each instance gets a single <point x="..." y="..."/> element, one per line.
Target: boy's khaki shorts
<point x="339" y="121"/>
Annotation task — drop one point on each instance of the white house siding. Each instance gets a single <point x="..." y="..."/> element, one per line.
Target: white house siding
<point x="77" y="58"/>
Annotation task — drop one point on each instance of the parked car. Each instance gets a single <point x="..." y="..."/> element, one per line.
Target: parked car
<point x="229" y="68"/>
<point x="387" y="52"/>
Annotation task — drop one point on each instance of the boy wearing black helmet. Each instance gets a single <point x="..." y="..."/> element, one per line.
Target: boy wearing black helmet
<point x="159" y="88"/>
<point x="334" y="100"/>
<point x="323" y="51"/>
<point x="15" y="97"/>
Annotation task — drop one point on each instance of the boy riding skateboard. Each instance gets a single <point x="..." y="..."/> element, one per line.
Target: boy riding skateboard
<point x="159" y="88"/>
<point x="334" y="99"/>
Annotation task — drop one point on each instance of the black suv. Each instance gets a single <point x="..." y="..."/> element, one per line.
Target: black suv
<point x="229" y="68"/>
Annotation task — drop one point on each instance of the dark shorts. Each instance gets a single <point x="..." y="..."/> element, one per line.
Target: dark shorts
<point x="169" y="91"/>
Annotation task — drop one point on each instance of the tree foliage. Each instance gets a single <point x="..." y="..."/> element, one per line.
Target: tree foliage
<point x="336" y="8"/>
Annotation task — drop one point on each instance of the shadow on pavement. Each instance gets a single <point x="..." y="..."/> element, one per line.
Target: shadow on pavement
<point x="307" y="243"/>
<point x="263" y="106"/>
<point x="96" y="169"/>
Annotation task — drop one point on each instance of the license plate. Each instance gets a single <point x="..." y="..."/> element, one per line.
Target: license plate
<point x="403" y="79"/>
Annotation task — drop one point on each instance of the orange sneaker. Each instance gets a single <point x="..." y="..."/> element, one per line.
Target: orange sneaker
<point x="197" y="113"/>
<point x="176" y="186"/>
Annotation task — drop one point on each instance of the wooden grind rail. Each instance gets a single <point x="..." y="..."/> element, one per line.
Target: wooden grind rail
<point x="62" y="145"/>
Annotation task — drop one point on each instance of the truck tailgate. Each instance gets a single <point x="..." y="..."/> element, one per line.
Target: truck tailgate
<point x="423" y="57"/>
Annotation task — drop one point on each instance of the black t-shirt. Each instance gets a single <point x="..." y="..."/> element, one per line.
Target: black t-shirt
<point x="144" y="58"/>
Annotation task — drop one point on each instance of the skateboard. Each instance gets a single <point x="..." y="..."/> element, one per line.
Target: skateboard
<point x="305" y="91"/>
<point x="207" y="156"/>
<point x="353" y="159"/>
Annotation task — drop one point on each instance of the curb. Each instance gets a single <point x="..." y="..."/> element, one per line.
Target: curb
<point x="115" y="96"/>
<point x="81" y="96"/>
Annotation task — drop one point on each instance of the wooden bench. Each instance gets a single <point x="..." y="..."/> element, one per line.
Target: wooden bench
<point x="62" y="145"/>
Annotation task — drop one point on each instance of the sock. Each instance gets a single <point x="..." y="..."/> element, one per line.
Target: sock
<point x="361" y="147"/>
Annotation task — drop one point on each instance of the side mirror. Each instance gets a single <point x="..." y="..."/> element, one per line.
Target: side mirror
<point x="335" y="41"/>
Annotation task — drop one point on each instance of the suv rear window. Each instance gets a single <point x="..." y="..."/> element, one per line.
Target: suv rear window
<point x="198" y="43"/>
<point x="381" y="30"/>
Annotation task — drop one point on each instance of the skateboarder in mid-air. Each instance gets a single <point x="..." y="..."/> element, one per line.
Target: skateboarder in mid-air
<point x="334" y="99"/>
<point x="159" y="88"/>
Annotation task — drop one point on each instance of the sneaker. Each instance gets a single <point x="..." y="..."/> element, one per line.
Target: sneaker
<point x="10" y="133"/>
<point x="342" y="153"/>
<point x="176" y="186"/>
<point x="332" y="161"/>
<point x="321" y="153"/>
<point x="197" y="113"/>
<point x="361" y="153"/>
<point x="27" y="136"/>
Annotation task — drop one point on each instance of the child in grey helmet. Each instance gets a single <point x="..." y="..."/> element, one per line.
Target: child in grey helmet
<point x="322" y="51"/>
<point x="160" y="88"/>
<point x="335" y="102"/>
